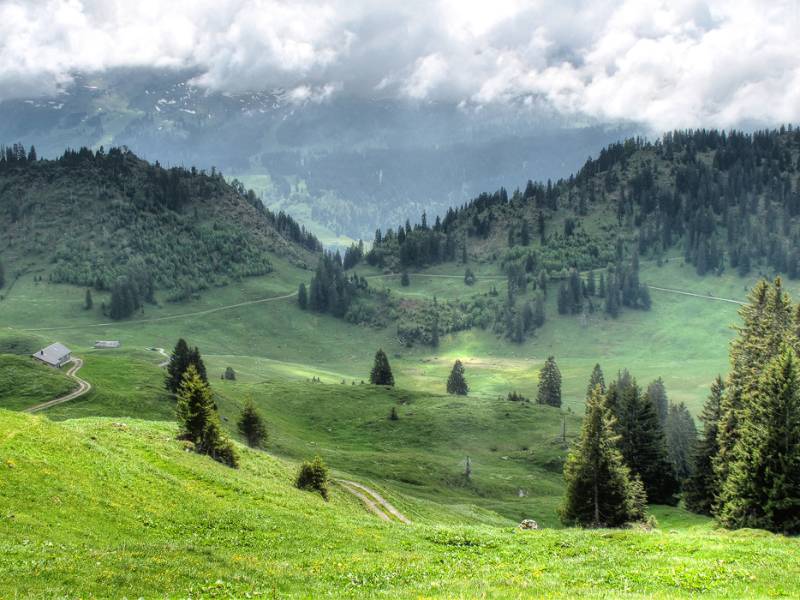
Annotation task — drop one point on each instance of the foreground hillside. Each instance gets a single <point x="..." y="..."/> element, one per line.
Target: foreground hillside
<point x="116" y="507"/>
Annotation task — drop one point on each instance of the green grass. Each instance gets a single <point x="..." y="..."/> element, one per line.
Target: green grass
<point x="99" y="507"/>
<point x="25" y="382"/>
<point x="513" y="446"/>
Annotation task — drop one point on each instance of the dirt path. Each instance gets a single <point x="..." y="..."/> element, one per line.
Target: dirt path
<point x="83" y="387"/>
<point x="163" y="353"/>
<point x="692" y="294"/>
<point x="374" y="502"/>
<point x="170" y="317"/>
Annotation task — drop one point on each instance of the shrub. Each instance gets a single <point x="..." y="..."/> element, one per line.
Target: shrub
<point x="313" y="477"/>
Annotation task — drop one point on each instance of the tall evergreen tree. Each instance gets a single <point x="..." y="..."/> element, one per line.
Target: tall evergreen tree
<point x="702" y="488"/>
<point x="764" y="478"/>
<point x="199" y="419"/>
<point x="381" y="373"/>
<point x="180" y="359"/>
<point x="456" y="383"/>
<point x="643" y="445"/>
<point x="88" y="303"/>
<point x="194" y="405"/>
<point x="549" y="384"/>
<point x="302" y="296"/>
<point x="767" y="324"/>
<point x="178" y="363"/>
<point x="601" y="492"/>
<point x="596" y="379"/>
<point x="681" y="435"/>
<point x="657" y="393"/>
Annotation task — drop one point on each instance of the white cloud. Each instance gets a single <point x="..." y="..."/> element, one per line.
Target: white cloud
<point x="665" y="63"/>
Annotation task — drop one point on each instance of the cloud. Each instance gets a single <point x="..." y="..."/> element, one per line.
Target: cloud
<point x="663" y="63"/>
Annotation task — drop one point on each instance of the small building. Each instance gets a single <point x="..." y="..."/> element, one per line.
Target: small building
<point x="54" y="355"/>
<point x="106" y="344"/>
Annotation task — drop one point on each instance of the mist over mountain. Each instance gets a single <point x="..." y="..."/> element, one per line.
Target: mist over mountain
<point x="349" y="164"/>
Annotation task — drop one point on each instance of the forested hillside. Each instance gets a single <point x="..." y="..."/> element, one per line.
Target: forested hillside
<point x="111" y="221"/>
<point x="727" y="199"/>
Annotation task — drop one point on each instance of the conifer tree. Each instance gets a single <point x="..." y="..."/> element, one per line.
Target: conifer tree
<point x="88" y="303"/>
<point x="178" y="363"/>
<point x="381" y="373"/>
<point x="657" y="393"/>
<point x="761" y="490"/>
<point x="180" y="359"/>
<point x="194" y="404"/>
<point x="596" y="379"/>
<point x="456" y="383"/>
<point x="302" y="296"/>
<point x="405" y="281"/>
<point x="681" y="435"/>
<point x="600" y="489"/>
<point x="643" y="444"/>
<point x="199" y="419"/>
<point x="252" y="426"/>
<point x="703" y="487"/>
<point x="767" y="324"/>
<point x="2" y="275"/>
<point x="549" y="384"/>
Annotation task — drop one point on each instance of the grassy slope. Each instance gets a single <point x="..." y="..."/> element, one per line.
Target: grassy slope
<point x="25" y="382"/>
<point x="109" y="508"/>
<point x="682" y="339"/>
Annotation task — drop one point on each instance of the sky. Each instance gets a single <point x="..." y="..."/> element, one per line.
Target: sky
<point x="662" y="64"/>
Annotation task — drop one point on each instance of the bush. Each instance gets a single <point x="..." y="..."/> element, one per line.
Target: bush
<point x="313" y="477"/>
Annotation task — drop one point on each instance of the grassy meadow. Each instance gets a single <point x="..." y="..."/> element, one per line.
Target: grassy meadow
<point x="117" y="508"/>
<point x="98" y="495"/>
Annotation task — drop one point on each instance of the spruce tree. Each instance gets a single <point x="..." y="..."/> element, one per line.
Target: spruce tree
<point x="405" y="281"/>
<point x="381" y="373"/>
<point x="456" y="383"/>
<point x="178" y="363"/>
<point x="681" y="435"/>
<point x="657" y="393"/>
<point x="252" y="426"/>
<point x="596" y="379"/>
<point x="302" y="296"/>
<point x="199" y="419"/>
<point x="643" y="444"/>
<point x="703" y="487"/>
<point x="767" y="324"/>
<point x="194" y="405"/>
<point x="549" y="384"/>
<point x="88" y="303"/>
<point x="600" y="489"/>
<point x="761" y="490"/>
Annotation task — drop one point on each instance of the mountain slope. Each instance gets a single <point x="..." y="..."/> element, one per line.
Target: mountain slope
<point x="90" y="218"/>
<point x="347" y="163"/>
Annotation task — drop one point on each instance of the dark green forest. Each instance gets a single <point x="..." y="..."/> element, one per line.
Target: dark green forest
<point x="110" y="221"/>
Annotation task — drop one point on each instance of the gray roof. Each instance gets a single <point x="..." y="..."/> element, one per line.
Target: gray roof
<point x="53" y="354"/>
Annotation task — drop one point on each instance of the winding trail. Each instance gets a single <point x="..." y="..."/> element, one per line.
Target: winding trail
<point x="692" y="294"/>
<point x="198" y="313"/>
<point x="374" y="502"/>
<point x="83" y="388"/>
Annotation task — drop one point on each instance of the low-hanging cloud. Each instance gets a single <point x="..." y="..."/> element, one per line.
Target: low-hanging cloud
<point x="675" y="63"/>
